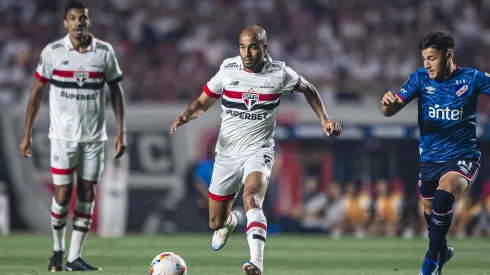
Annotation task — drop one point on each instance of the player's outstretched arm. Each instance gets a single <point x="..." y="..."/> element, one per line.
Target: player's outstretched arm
<point x="35" y="99"/>
<point x="195" y="110"/>
<point x="391" y="104"/>
<point x="117" y="101"/>
<point x="331" y="128"/>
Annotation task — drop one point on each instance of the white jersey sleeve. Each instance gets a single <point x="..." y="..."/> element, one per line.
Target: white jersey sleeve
<point x="291" y="80"/>
<point x="45" y="67"/>
<point x="113" y="73"/>
<point x="214" y="87"/>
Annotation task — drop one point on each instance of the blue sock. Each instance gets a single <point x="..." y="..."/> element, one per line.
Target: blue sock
<point x="442" y="216"/>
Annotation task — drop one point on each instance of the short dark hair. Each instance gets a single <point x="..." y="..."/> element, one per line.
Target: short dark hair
<point x="439" y="40"/>
<point x="75" y="5"/>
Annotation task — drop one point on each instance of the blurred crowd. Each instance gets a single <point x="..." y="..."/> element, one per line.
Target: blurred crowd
<point x="379" y="210"/>
<point x="349" y="207"/>
<point x="350" y="49"/>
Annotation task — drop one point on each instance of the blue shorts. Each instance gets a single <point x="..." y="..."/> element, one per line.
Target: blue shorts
<point x="432" y="172"/>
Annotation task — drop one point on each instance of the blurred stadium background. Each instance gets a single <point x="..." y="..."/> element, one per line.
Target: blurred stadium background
<point x="362" y="184"/>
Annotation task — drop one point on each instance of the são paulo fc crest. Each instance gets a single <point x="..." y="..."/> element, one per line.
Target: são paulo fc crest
<point x="80" y="76"/>
<point x="250" y="100"/>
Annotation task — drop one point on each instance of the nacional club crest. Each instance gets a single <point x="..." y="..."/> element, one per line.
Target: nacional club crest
<point x="249" y="98"/>
<point x="80" y="76"/>
<point x="462" y="90"/>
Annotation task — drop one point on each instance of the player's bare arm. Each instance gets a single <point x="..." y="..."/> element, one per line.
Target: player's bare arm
<point x="391" y="104"/>
<point x="117" y="100"/>
<point x="195" y="110"/>
<point x="331" y="128"/>
<point x="35" y="99"/>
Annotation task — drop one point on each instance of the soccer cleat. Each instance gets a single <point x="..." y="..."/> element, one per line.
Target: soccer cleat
<point x="251" y="269"/>
<point x="447" y="254"/>
<point x="56" y="261"/>
<point x="221" y="236"/>
<point x="80" y="265"/>
<point x="429" y="267"/>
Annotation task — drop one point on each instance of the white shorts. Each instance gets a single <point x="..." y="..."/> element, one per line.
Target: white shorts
<point x="229" y="173"/>
<point x="86" y="158"/>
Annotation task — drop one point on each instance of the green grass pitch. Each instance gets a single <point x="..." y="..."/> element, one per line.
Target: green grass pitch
<point x="292" y="255"/>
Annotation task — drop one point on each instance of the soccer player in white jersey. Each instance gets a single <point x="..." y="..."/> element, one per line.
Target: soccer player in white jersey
<point x="76" y="67"/>
<point x="251" y="85"/>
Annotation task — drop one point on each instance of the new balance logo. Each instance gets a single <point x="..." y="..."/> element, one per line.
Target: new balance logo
<point x="430" y="89"/>
<point x="234" y="83"/>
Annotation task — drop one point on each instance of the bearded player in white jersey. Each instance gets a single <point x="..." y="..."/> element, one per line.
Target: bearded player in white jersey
<point x="76" y="68"/>
<point x="251" y="85"/>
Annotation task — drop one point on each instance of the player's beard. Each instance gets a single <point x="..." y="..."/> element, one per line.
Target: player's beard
<point x="256" y="66"/>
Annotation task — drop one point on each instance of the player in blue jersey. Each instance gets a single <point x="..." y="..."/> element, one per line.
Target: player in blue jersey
<point x="447" y="104"/>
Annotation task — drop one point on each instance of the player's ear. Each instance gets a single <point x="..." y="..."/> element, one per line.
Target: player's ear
<point x="266" y="46"/>
<point x="449" y="55"/>
<point x="65" y="24"/>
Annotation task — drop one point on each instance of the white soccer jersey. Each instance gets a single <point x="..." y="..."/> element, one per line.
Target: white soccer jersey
<point x="76" y="95"/>
<point x="250" y="103"/>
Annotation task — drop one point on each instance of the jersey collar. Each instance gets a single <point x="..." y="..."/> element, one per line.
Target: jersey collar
<point x="69" y="45"/>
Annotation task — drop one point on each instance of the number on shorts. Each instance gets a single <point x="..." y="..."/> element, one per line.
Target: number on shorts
<point x="268" y="161"/>
<point x="465" y="166"/>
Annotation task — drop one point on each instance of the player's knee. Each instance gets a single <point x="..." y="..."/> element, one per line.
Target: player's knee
<point x="86" y="191"/>
<point x="216" y="222"/>
<point x="453" y="183"/>
<point x="252" y="200"/>
<point x="427" y="206"/>
<point x="62" y="194"/>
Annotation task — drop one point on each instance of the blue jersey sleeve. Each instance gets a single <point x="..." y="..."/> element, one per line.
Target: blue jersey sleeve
<point x="483" y="82"/>
<point x="411" y="88"/>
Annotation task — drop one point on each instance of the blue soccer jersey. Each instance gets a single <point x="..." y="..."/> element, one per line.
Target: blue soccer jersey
<point x="446" y="112"/>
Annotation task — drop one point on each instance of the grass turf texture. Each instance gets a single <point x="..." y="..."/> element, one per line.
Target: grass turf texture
<point x="294" y="255"/>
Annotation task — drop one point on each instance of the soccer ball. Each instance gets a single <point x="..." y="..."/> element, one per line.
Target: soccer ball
<point x="168" y="263"/>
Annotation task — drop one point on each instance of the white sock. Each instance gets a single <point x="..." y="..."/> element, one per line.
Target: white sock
<point x="59" y="215"/>
<point x="256" y="235"/>
<point x="82" y="219"/>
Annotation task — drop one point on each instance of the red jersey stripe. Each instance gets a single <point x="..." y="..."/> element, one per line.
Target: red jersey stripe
<point x="71" y="74"/>
<point x="41" y="78"/>
<point x="262" y="97"/>
<point x="210" y="93"/>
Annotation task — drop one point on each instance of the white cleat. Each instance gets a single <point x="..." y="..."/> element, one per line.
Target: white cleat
<point x="251" y="269"/>
<point x="221" y="236"/>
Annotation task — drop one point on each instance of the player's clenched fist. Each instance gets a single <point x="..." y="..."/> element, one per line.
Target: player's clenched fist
<point x="179" y="121"/>
<point x="25" y="147"/>
<point x="388" y="99"/>
<point x="331" y="128"/>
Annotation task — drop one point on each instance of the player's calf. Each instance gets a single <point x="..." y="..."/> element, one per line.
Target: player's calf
<point x="221" y="219"/>
<point x="451" y="185"/>
<point x="253" y="195"/>
<point x="59" y="215"/>
<point x="82" y="220"/>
